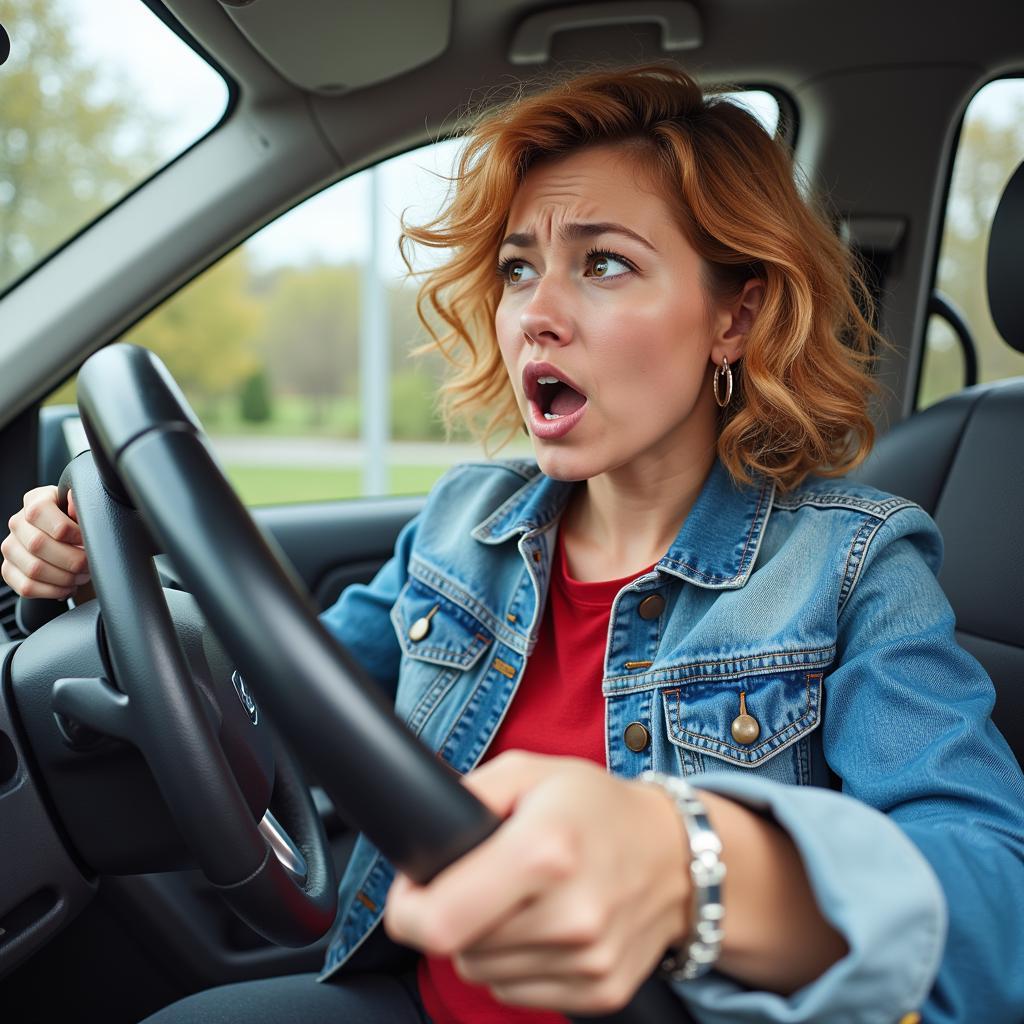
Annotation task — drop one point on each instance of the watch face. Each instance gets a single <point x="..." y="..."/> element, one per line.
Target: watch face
<point x="5" y="44"/>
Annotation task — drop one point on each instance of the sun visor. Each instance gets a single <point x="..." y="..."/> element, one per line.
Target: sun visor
<point x="332" y="48"/>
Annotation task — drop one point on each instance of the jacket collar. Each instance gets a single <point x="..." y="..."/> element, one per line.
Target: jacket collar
<point x="715" y="548"/>
<point x="537" y="504"/>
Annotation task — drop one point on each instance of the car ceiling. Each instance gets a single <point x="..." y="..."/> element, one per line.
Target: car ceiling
<point x="785" y="40"/>
<point x="879" y="87"/>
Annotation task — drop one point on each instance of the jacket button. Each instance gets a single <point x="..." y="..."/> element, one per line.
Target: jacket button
<point x="745" y="728"/>
<point x="651" y="606"/>
<point x="637" y="737"/>
<point x="421" y="627"/>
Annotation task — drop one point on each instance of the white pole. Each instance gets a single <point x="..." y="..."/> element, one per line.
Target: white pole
<point x="374" y="371"/>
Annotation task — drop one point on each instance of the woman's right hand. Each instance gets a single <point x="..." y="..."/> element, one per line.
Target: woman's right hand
<point x="43" y="553"/>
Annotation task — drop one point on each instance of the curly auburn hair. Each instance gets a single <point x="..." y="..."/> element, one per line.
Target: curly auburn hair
<point x="802" y="404"/>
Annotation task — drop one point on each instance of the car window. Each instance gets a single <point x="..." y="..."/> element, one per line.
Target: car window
<point x="990" y="149"/>
<point x="310" y="391"/>
<point x="94" y="98"/>
<point x="295" y="349"/>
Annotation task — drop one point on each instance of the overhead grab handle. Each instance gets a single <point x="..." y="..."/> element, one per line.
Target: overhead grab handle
<point x="678" y="20"/>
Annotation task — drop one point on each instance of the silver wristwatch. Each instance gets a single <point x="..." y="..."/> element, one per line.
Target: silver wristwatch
<point x="704" y="940"/>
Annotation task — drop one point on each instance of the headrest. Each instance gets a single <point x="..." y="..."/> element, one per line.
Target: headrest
<point x="1005" y="262"/>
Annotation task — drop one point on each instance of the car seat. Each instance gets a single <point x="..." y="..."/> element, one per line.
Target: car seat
<point x="959" y="460"/>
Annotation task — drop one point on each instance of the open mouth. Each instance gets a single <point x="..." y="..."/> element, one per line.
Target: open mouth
<point x="556" y="398"/>
<point x="556" y="403"/>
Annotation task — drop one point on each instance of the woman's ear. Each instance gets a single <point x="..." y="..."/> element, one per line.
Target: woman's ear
<point x="741" y="314"/>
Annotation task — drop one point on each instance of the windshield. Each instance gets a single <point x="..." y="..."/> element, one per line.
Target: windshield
<point x="96" y="96"/>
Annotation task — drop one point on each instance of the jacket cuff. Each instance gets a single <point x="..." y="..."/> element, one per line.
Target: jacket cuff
<point x="871" y="884"/>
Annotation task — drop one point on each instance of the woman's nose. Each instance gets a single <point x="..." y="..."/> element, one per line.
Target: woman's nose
<point x="546" y="318"/>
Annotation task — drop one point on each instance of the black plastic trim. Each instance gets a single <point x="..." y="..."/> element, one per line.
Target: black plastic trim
<point x="43" y="889"/>
<point x="941" y="306"/>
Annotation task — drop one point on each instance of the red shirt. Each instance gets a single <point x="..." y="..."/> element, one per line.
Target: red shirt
<point x="558" y="709"/>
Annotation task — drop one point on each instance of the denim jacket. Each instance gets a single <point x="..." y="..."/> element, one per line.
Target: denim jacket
<point x="875" y="750"/>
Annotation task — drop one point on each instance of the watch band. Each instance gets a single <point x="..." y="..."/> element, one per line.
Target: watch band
<point x="704" y="940"/>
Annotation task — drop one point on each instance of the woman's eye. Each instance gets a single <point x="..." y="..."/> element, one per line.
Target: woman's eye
<point x="604" y="264"/>
<point x="516" y="271"/>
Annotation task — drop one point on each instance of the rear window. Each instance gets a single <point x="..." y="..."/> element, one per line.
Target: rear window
<point x="96" y="97"/>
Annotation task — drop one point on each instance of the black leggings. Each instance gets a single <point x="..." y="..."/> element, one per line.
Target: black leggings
<point x="299" y="999"/>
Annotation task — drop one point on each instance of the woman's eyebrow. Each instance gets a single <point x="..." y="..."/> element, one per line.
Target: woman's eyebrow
<point x="575" y="232"/>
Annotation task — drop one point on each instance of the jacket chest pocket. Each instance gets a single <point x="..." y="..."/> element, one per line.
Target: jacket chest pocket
<point x="440" y="642"/>
<point x="747" y="722"/>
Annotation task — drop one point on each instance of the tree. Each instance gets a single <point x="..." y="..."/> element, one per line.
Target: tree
<point x="254" y="401"/>
<point x="68" y="150"/>
<point x="414" y="379"/>
<point x="310" y="338"/>
<point x="206" y="333"/>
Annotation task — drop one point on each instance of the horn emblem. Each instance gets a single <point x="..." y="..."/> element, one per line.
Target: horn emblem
<point x="245" y="696"/>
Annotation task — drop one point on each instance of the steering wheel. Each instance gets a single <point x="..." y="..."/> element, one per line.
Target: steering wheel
<point x="277" y="876"/>
<point x="153" y="477"/>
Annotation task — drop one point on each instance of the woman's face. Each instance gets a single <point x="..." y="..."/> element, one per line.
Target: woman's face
<point x="604" y="323"/>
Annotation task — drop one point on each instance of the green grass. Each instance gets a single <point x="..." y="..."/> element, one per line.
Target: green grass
<point x="293" y="416"/>
<point x="413" y="419"/>
<point x="278" y="485"/>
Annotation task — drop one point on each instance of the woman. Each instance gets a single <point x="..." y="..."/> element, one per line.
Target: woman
<point x="634" y="276"/>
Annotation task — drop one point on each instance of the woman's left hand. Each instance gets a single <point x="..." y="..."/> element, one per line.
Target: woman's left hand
<point x="571" y="903"/>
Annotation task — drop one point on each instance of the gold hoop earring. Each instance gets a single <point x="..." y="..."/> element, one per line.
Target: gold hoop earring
<point x="719" y="370"/>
